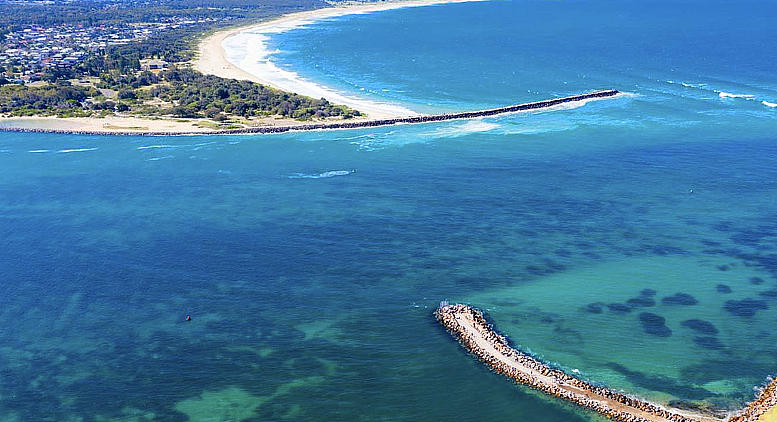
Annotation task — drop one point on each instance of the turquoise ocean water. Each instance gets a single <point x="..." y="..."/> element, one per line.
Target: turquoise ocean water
<point x="633" y="240"/>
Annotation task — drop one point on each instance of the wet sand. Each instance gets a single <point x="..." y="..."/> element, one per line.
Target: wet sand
<point x="469" y="326"/>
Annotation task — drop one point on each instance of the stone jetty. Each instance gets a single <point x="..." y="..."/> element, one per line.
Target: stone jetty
<point x="355" y="124"/>
<point x="472" y="330"/>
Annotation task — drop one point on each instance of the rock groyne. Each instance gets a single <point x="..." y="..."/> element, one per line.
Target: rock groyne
<point x="357" y="124"/>
<point x="765" y="401"/>
<point x="472" y="330"/>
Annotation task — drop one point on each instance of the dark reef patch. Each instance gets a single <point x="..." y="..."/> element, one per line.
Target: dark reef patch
<point x="641" y="302"/>
<point x="507" y="302"/>
<point x="566" y="253"/>
<point x="618" y="308"/>
<point x="570" y="334"/>
<point x="708" y="342"/>
<point x="647" y="292"/>
<point x="745" y="307"/>
<point x="654" y="324"/>
<point x="756" y="280"/>
<point x="680" y="299"/>
<point x="662" y="250"/>
<point x="769" y="294"/>
<point x="708" y="242"/>
<point x="594" y="308"/>
<point x="540" y="271"/>
<point x="749" y="237"/>
<point x="714" y="251"/>
<point x="733" y="366"/>
<point x="724" y="226"/>
<point x="658" y="383"/>
<point x="722" y="288"/>
<point x="700" y="326"/>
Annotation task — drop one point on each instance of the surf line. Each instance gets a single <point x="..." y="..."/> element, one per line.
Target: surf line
<point x="538" y="105"/>
<point x="475" y="334"/>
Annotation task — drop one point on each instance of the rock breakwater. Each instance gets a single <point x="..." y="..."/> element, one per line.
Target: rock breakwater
<point x="766" y="401"/>
<point x="472" y="330"/>
<point x="356" y="124"/>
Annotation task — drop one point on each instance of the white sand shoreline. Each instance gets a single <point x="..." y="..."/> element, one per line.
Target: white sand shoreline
<point x="220" y="55"/>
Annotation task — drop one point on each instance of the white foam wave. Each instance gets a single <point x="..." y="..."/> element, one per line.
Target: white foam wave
<point x="688" y="85"/>
<point x="62" y="151"/>
<point x="461" y="129"/>
<point x="768" y="104"/>
<point x="39" y="151"/>
<point x="160" y="158"/>
<point x="156" y="146"/>
<point x="324" y="175"/>
<point x="723" y="94"/>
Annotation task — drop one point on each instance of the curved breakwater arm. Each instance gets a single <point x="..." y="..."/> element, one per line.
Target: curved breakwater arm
<point x="354" y="124"/>
<point x="472" y="330"/>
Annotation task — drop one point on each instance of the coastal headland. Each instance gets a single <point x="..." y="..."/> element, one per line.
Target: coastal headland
<point x="469" y="326"/>
<point x="350" y="124"/>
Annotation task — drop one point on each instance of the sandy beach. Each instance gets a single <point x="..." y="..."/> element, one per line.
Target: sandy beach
<point x="127" y="124"/>
<point x="241" y="53"/>
<point x="107" y="124"/>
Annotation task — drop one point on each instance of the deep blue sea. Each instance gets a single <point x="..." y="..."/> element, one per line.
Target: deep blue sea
<point x="633" y="240"/>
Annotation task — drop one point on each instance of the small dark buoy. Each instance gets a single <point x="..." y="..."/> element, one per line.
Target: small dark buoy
<point x="188" y="317"/>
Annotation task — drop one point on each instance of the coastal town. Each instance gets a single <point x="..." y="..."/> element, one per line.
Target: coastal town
<point x="31" y="51"/>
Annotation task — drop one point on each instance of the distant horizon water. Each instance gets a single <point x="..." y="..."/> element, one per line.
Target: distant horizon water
<point x="631" y="240"/>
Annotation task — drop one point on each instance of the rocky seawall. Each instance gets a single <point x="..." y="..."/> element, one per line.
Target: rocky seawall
<point x="350" y="124"/>
<point x="766" y="400"/>
<point x="470" y="327"/>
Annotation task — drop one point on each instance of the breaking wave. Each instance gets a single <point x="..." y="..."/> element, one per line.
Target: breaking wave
<point x="324" y="175"/>
<point x="62" y="151"/>
<point x="723" y="94"/>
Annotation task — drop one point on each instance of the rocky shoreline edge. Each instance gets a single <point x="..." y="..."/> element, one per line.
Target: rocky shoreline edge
<point x="538" y="105"/>
<point x="469" y="326"/>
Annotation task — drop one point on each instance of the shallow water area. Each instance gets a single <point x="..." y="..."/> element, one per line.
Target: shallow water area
<point x="630" y="239"/>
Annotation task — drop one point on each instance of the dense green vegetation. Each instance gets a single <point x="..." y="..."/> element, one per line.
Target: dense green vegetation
<point x="180" y="91"/>
<point x="58" y="100"/>
<point x="198" y="95"/>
